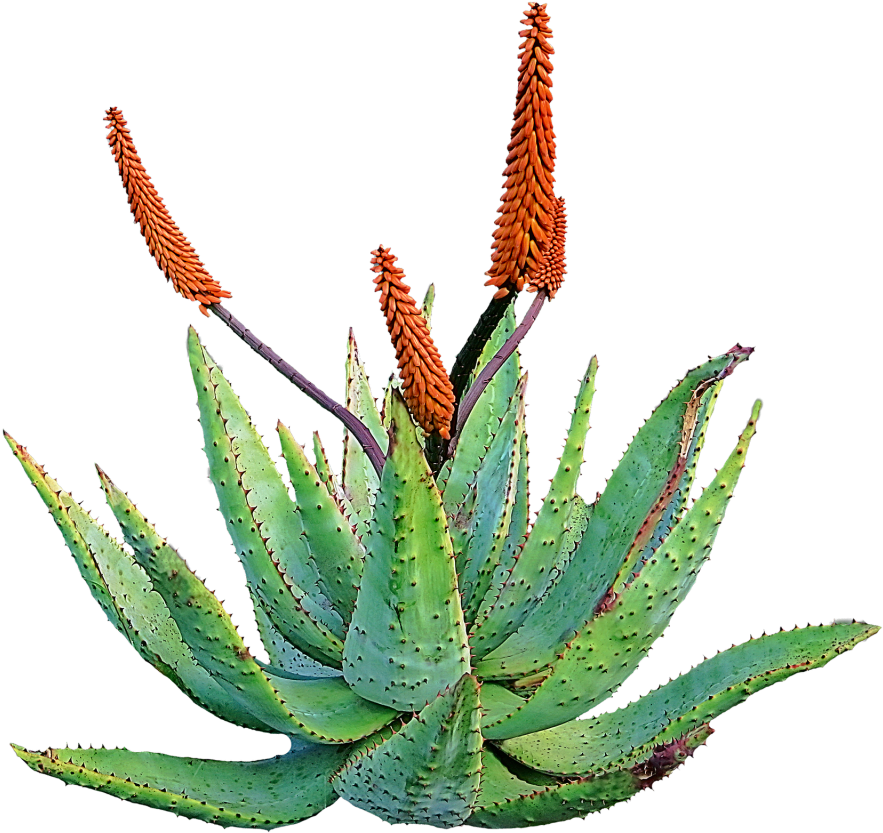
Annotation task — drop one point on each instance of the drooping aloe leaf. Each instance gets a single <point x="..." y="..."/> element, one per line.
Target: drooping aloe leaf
<point x="610" y="646"/>
<point x="334" y="548"/>
<point x="407" y="639"/>
<point x="294" y="707"/>
<point x="126" y="595"/>
<point x="651" y="468"/>
<point x="257" y="794"/>
<point x="261" y="517"/>
<point x="428" y="773"/>
<point x="532" y="572"/>
<point x="617" y="739"/>
<point x="360" y="480"/>
<point x="506" y="799"/>
<point x="491" y="503"/>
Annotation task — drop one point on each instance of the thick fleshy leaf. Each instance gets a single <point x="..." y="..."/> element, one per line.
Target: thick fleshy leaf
<point x="428" y="773"/>
<point x="624" y="518"/>
<point x="515" y="535"/>
<point x="671" y="504"/>
<point x="513" y="796"/>
<point x="407" y="641"/>
<point x="608" y="649"/>
<point x="256" y="794"/>
<point x="490" y="506"/>
<point x="531" y="573"/>
<point x="617" y="739"/>
<point x="282" y="653"/>
<point x="261" y="517"/>
<point x="334" y="548"/>
<point x="360" y="480"/>
<point x="125" y="593"/>
<point x="456" y="479"/>
<point x="577" y="521"/>
<point x="325" y="710"/>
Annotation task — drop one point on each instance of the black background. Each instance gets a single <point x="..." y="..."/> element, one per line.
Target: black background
<point x="707" y="166"/>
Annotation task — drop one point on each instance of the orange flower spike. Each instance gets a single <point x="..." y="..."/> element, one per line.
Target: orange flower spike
<point x="425" y="383"/>
<point x="170" y="248"/>
<point x="524" y="226"/>
<point x="551" y="273"/>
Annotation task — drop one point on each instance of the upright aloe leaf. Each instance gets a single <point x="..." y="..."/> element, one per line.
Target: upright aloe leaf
<point x="334" y="549"/>
<point x="531" y="573"/>
<point x="125" y="593"/>
<point x="282" y="653"/>
<point x="292" y="706"/>
<point x="360" y="480"/>
<point x="610" y="646"/>
<point x="407" y="639"/>
<point x="428" y="304"/>
<point x="491" y="504"/>
<point x="457" y="478"/>
<point x="261" y="517"/>
<point x="651" y="468"/>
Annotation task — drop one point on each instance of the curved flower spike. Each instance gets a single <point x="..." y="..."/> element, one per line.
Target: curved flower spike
<point x="525" y="224"/>
<point x="171" y="249"/>
<point x="425" y="383"/>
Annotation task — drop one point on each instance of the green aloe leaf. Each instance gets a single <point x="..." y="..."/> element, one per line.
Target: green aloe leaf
<point x="334" y="548"/>
<point x="491" y="504"/>
<point x="531" y="573"/>
<point x="512" y="796"/>
<point x="360" y="480"/>
<point x="261" y="517"/>
<point x="256" y="794"/>
<point x="428" y="773"/>
<point x="125" y="593"/>
<point x="609" y="647"/>
<point x="457" y="480"/>
<point x="321" y="710"/>
<point x="407" y="639"/>
<point x="616" y="739"/>
<point x="282" y="653"/>
<point x="623" y="521"/>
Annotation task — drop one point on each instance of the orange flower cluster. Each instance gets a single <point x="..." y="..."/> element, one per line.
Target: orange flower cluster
<point x="525" y="224"/>
<point x="425" y="383"/>
<point x="173" y="252"/>
<point x="551" y="273"/>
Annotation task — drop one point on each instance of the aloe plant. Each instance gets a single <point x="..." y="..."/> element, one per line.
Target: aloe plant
<point x="431" y="650"/>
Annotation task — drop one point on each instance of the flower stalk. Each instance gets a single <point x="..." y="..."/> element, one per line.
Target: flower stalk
<point x="350" y="421"/>
<point x="180" y="264"/>
<point x="490" y="369"/>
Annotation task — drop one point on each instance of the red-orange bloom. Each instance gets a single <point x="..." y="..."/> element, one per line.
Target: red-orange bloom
<point x="525" y="223"/>
<point x="550" y="275"/>
<point x="173" y="252"/>
<point x="425" y="383"/>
